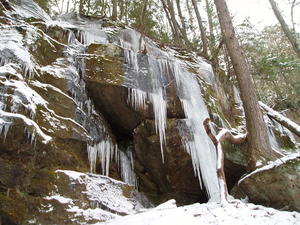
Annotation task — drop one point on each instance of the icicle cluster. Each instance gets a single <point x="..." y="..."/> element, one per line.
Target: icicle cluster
<point x="105" y="151"/>
<point x="163" y="68"/>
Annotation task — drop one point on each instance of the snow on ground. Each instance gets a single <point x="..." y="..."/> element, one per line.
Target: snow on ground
<point x="210" y="213"/>
<point x="105" y="191"/>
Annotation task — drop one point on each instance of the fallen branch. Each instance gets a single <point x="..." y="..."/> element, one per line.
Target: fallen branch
<point x="284" y="121"/>
<point x="217" y="140"/>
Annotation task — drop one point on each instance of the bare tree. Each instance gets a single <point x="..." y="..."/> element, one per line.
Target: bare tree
<point x="258" y="141"/>
<point x="81" y="6"/>
<point x="290" y="35"/>
<point x="183" y="23"/>
<point x="114" y="14"/>
<point x="169" y="10"/>
<point x="294" y="3"/>
<point x="142" y="16"/>
<point x="202" y="29"/>
<point x="191" y="17"/>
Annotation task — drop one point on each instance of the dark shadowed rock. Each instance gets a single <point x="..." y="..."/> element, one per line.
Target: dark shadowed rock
<point x="173" y="178"/>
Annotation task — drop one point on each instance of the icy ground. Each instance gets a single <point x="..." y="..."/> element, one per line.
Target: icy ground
<point x="210" y="213"/>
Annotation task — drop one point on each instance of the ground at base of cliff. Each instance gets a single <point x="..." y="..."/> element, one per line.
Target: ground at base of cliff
<point x="236" y="212"/>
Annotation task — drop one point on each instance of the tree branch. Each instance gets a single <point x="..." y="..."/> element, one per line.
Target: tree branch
<point x="284" y="121"/>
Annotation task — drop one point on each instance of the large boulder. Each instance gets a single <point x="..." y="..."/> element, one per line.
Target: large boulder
<point x="276" y="185"/>
<point x="70" y="197"/>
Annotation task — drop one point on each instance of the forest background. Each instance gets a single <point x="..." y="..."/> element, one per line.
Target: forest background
<point x="193" y="25"/>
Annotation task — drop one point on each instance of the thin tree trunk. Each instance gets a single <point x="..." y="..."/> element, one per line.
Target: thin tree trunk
<point x="191" y="18"/>
<point x="88" y="7"/>
<point x="202" y="29"/>
<point x="81" y="3"/>
<point x="183" y="23"/>
<point x="210" y="25"/>
<point x="142" y="16"/>
<point x="68" y="6"/>
<point x="114" y="14"/>
<point x="174" y="21"/>
<point x="175" y="31"/>
<point x="284" y="121"/>
<point x="121" y="7"/>
<point x="292" y="15"/>
<point x="259" y="144"/>
<point x="291" y="37"/>
<point x="57" y="5"/>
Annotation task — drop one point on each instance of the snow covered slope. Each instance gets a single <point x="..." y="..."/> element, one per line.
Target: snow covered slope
<point x="236" y="212"/>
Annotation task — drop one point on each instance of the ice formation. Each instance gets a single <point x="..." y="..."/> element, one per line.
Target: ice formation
<point x="148" y="71"/>
<point x="162" y="69"/>
<point x="127" y="167"/>
<point x="105" y="151"/>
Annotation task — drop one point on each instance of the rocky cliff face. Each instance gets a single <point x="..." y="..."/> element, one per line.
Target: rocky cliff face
<point x="89" y="95"/>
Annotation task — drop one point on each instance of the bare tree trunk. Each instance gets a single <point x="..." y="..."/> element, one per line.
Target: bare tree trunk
<point x="259" y="144"/>
<point x="191" y="18"/>
<point x="121" y="7"/>
<point x="57" y="5"/>
<point x="183" y="23"/>
<point x="292" y="38"/>
<point x="217" y="140"/>
<point x="174" y="28"/>
<point x="114" y="14"/>
<point x="292" y="15"/>
<point x="284" y="121"/>
<point x="88" y="7"/>
<point x="68" y="6"/>
<point x="142" y="16"/>
<point x="202" y="29"/>
<point x="174" y="21"/>
<point x="81" y="5"/>
<point x="209" y="11"/>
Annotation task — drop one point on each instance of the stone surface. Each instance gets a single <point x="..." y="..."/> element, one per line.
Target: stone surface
<point x="276" y="185"/>
<point x="173" y="178"/>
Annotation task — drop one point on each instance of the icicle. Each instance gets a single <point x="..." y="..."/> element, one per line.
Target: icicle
<point x="5" y="130"/>
<point x="127" y="168"/>
<point x="92" y="156"/>
<point x="160" y="114"/>
<point x="137" y="98"/>
<point x="104" y="150"/>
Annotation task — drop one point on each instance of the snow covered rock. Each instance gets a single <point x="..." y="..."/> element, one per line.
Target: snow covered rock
<point x="79" y="198"/>
<point x="276" y="184"/>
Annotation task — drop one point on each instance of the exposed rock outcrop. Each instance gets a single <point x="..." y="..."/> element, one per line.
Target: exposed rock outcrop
<point x="277" y="184"/>
<point x="173" y="178"/>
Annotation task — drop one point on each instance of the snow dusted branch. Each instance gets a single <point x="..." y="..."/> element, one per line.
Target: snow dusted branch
<point x="217" y="140"/>
<point x="284" y="121"/>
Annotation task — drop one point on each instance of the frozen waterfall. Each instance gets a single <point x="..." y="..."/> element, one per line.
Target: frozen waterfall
<point x="150" y="86"/>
